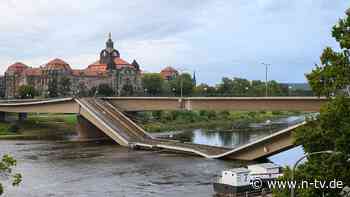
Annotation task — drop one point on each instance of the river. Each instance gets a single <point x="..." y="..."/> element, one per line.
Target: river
<point x="72" y="169"/>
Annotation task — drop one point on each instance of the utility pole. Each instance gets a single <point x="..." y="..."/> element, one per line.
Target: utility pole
<point x="266" y="79"/>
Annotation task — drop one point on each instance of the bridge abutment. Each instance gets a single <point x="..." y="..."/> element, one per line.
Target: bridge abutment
<point x="86" y="130"/>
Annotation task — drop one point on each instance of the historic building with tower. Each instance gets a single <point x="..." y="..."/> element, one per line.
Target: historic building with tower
<point x="123" y="77"/>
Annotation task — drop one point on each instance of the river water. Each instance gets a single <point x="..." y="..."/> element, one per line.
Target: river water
<point x="72" y="169"/>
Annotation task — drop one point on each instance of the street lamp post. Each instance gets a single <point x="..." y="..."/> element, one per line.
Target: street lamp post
<point x="292" y="194"/>
<point x="290" y="90"/>
<point x="181" y="80"/>
<point x="266" y="82"/>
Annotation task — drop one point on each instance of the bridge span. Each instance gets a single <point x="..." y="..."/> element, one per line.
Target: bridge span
<point x="105" y="115"/>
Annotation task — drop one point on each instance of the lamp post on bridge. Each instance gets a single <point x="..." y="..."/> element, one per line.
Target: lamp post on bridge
<point x="182" y="70"/>
<point x="266" y="78"/>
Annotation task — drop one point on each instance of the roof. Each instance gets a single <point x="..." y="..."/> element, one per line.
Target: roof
<point x="32" y="72"/>
<point x="120" y="61"/>
<point x="56" y="64"/>
<point x="169" y="69"/>
<point x="238" y="170"/>
<point x="265" y="165"/>
<point x="17" y="67"/>
<point x="96" y="66"/>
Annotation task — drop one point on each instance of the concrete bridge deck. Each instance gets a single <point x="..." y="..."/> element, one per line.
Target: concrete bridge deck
<point x="105" y="115"/>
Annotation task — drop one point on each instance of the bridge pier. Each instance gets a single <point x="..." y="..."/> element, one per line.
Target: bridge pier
<point x="86" y="130"/>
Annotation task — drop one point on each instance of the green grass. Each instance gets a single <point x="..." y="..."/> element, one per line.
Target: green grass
<point x="4" y="129"/>
<point x="39" y="125"/>
<point x="222" y="120"/>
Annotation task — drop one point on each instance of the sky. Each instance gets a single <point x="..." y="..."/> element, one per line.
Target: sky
<point x="214" y="38"/>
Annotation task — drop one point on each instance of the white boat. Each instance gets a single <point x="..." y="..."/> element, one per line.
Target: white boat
<point x="238" y="180"/>
<point x="233" y="181"/>
<point x="265" y="171"/>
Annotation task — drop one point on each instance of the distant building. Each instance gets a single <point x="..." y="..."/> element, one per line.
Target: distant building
<point x="124" y="78"/>
<point x="169" y="73"/>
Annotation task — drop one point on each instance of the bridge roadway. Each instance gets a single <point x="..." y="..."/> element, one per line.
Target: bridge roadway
<point x="110" y="120"/>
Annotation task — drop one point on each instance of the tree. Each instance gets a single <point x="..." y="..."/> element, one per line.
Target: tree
<point x="82" y="89"/>
<point x="53" y="87"/>
<point x="330" y="132"/>
<point x="240" y="86"/>
<point x="225" y="88"/>
<point x="65" y="86"/>
<point x="333" y="75"/>
<point x="185" y="81"/>
<point x="127" y="90"/>
<point x="6" y="165"/>
<point x="332" y="129"/>
<point x="204" y="90"/>
<point x="152" y="83"/>
<point x="26" y="91"/>
<point x="105" y="90"/>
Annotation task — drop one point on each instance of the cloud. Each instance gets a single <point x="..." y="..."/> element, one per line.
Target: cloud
<point x="215" y="38"/>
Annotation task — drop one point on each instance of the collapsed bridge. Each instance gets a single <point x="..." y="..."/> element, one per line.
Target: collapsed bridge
<point x="104" y="116"/>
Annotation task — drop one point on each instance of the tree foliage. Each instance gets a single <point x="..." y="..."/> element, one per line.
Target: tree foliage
<point x="105" y="90"/>
<point x="53" y="87"/>
<point x="6" y="170"/>
<point x="332" y="75"/>
<point x="26" y="91"/>
<point x="331" y="131"/>
<point x="152" y="83"/>
<point x="184" y="82"/>
<point x="65" y="86"/>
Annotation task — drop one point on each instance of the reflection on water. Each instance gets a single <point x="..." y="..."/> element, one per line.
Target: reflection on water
<point x="61" y="169"/>
<point x="221" y="138"/>
<point x="52" y="169"/>
<point x="237" y="138"/>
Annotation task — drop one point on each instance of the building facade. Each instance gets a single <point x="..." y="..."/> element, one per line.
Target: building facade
<point x="57" y="78"/>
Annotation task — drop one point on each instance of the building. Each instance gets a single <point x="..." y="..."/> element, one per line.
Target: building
<point x="169" y="73"/>
<point x="53" y="77"/>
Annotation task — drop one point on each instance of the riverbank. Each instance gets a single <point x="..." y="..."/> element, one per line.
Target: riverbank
<point x="39" y="126"/>
<point x="166" y="121"/>
<point x="58" y="126"/>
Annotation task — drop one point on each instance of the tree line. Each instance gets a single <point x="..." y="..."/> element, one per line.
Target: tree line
<point x="154" y="85"/>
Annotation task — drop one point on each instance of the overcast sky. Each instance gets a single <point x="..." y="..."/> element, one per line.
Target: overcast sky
<point x="216" y="38"/>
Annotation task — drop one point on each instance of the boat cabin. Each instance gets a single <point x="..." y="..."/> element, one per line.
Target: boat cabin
<point x="236" y="177"/>
<point x="264" y="170"/>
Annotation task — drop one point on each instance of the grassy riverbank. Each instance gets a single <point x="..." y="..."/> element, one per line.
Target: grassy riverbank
<point x="51" y="126"/>
<point x="43" y="126"/>
<point x="161" y="121"/>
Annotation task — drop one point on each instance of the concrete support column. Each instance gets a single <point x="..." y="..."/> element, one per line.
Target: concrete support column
<point x="22" y="116"/>
<point x="86" y="130"/>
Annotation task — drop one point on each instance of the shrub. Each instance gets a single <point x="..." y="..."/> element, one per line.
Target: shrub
<point x="13" y="127"/>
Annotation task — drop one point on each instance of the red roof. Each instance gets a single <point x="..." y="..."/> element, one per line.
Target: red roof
<point x="168" y="72"/>
<point x="57" y="64"/>
<point x="17" y="67"/>
<point x="169" y="69"/>
<point x="97" y="67"/>
<point x="120" y="61"/>
<point x="33" y="72"/>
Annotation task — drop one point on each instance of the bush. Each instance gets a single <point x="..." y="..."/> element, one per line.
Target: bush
<point x="224" y="115"/>
<point x="13" y="127"/>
